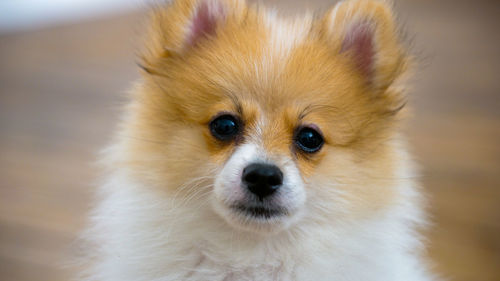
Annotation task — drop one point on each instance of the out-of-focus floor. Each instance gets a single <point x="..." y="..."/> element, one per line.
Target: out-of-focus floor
<point x="61" y="90"/>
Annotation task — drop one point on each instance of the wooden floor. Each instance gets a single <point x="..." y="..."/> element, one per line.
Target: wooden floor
<point x="60" y="91"/>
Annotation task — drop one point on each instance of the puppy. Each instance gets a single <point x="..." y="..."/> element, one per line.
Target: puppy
<point x="261" y="148"/>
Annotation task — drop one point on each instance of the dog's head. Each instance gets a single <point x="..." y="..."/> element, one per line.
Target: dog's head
<point x="268" y="121"/>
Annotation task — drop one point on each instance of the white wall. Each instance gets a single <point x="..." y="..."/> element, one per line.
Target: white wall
<point x="31" y="14"/>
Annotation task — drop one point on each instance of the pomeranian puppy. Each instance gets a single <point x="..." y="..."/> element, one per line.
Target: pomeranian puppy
<point x="262" y="148"/>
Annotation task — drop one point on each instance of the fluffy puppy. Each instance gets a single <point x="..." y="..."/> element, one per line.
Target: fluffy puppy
<point x="260" y="148"/>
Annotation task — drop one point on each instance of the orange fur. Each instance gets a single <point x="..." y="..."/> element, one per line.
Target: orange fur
<point x="186" y="86"/>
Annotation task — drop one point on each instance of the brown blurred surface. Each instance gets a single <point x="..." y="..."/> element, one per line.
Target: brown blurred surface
<point x="60" y="92"/>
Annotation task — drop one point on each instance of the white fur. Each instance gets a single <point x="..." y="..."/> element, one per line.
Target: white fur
<point x="145" y="235"/>
<point x="283" y="36"/>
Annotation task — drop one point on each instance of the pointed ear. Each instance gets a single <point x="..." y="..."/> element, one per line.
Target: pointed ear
<point x="364" y="32"/>
<point x="180" y="25"/>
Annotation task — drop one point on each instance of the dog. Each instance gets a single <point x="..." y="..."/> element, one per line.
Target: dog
<point x="257" y="147"/>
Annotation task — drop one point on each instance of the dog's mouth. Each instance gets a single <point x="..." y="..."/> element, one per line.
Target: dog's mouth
<point x="259" y="212"/>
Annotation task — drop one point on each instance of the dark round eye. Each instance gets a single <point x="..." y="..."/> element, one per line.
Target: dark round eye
<point x="308" y="139"/>
<point x="224" y="127"/>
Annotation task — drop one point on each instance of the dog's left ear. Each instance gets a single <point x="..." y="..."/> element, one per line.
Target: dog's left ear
<point x="364" y="33"/>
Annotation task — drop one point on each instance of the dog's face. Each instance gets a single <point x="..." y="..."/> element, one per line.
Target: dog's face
<point x="265" y="121"/>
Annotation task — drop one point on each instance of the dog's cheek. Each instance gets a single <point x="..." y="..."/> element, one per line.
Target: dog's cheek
<point x="353" y="184"/>
<point x="168" y="157"/>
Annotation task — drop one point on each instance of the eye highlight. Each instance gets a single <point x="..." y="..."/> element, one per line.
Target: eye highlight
<point x="308" y="139"/>
<point x="225" y="127"/>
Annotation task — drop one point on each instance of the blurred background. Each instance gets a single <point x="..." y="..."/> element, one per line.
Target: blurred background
<point x="65" y="67"/>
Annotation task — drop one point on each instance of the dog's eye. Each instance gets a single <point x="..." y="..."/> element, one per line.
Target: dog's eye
<point x="308" y="139"/>
<point x="225" y="127"/>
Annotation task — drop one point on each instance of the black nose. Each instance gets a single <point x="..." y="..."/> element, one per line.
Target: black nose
<point x="262" y="179"/>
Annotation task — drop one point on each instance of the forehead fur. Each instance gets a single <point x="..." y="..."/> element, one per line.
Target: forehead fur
<point x="272" y="64"/>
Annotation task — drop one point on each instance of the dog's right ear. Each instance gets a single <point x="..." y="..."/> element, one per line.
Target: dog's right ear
<point x="178" y="26"/>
